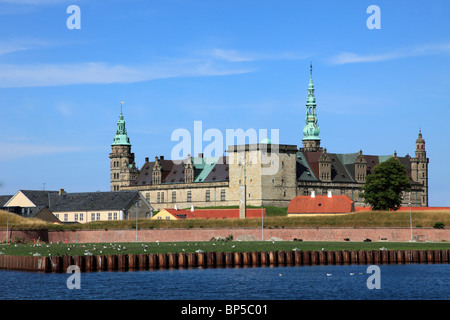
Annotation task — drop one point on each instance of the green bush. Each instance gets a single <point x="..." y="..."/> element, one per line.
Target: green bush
<point x="439" y="225"/>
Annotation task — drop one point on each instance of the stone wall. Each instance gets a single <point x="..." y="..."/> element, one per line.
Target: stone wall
<point x="288" y="234"/>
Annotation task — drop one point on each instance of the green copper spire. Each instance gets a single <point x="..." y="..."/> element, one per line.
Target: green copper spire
<point x="311" y="130"/>
<point x="121" y="138"/>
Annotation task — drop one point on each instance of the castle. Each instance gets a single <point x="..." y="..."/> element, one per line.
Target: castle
<point x="241" y="177"/>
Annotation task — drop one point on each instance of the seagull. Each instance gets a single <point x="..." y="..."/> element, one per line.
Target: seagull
<point x="352" y="273"/>
<point x="280" y="274"/>
<point x="329" y="274"/>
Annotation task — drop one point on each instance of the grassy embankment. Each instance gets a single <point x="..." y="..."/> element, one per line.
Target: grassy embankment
<point x="276" y="218"/>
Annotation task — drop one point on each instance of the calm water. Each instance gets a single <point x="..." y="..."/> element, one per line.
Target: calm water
<point x="399" y="282"/>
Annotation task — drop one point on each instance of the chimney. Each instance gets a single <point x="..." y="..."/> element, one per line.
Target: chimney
<point x="330" y="195"/>
<point x="176" y="208"/>
<point x="313" y="194"/>
<point x="61" y="191"/>
<point x="146" y="159"/>
<point x="192" y="208"/>
<point x="161" y="157"/>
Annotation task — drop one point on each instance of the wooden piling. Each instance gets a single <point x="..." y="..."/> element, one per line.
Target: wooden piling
<point x="264" y="258"/>
<point x="256" y="258"/>
<point x="142" y="261"/>
<point x="272" y="258"/>
<point x="182" y="260"/>
<point x="362" y="257"/>
<point x="298" y="258"/>
<point x="289" y="258"/>
<point x="281" y="258"/>
<point x="229" y="259"/>
<point x="306" y="257"/>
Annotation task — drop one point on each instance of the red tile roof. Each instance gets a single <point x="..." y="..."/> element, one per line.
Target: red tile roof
<point x="320" y="204"/>
<point x="215" y="213"/>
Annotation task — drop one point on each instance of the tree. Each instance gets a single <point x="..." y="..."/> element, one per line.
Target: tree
<point x="384" y="186"/>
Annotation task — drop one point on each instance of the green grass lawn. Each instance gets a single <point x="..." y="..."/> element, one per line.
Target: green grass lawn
<point x="230" y="246"/>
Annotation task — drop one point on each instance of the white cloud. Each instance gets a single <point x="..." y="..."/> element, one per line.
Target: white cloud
<point x="102" y="73"/>
<point x="13" y="151"/>
<point x="35" y="2"/>
<point x="230" y="55"/>
<point x="350" y="57"/>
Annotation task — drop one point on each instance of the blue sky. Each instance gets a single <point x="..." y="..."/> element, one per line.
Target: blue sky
<point x="230" y="64"/>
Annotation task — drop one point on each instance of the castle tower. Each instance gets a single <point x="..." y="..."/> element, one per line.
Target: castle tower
<point x="325" y="167"/>
<point x="360" y="168"/>
<point x="311" y="140"/>
<point x="156" y="172"/>
<point x="188" y="170"/>
<point x="122" y="166"/>
<point x="419" y="168"/>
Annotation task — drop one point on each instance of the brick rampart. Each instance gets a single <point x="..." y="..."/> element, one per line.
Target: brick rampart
<point x="163" y="235"/>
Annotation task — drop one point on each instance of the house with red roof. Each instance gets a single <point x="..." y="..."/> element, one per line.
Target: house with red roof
<point x="176" y="214"/>
<point x="329" y="204"/>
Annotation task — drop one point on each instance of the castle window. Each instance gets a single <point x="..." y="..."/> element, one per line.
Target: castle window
<point x="207" y="196"/>
<point x="189" y="196"/>
<point x="109" y="215"/>
<point x="81" y="217"/>
<point x="222" y="195"/>
<point x="174" y="196"/>
<point x="158" y="197"/>
<point x="92" y="216"/>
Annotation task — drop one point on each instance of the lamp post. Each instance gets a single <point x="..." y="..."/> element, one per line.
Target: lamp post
<point x="136" y="214"/>
<point x="410" y="221"/>
<point x="262" y="223"/>
<point x="7" y="227"/>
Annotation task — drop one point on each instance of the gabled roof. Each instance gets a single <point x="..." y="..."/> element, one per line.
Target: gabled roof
<point x="214" y="213"/>
<point x="320" y="204"/>
<point x="84" y="201"/>
<point x="205" y="170"/>
<point x="39" y="198"/>
<point x="4" y="200"/>
<point x="226" y="213"/>
<point x="180" y="214"/>
<point x="342" y="165"/>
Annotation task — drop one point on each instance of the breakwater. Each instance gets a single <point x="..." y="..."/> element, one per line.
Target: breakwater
<point x="149" y="261"/>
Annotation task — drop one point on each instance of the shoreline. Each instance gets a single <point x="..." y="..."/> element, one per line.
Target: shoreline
<point x="153" y="261"/>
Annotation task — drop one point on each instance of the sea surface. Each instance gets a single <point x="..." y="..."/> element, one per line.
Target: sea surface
<point x="342" y="282"/>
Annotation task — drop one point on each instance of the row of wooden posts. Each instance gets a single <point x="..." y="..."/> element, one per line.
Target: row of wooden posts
<point x="128" y="262"/>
